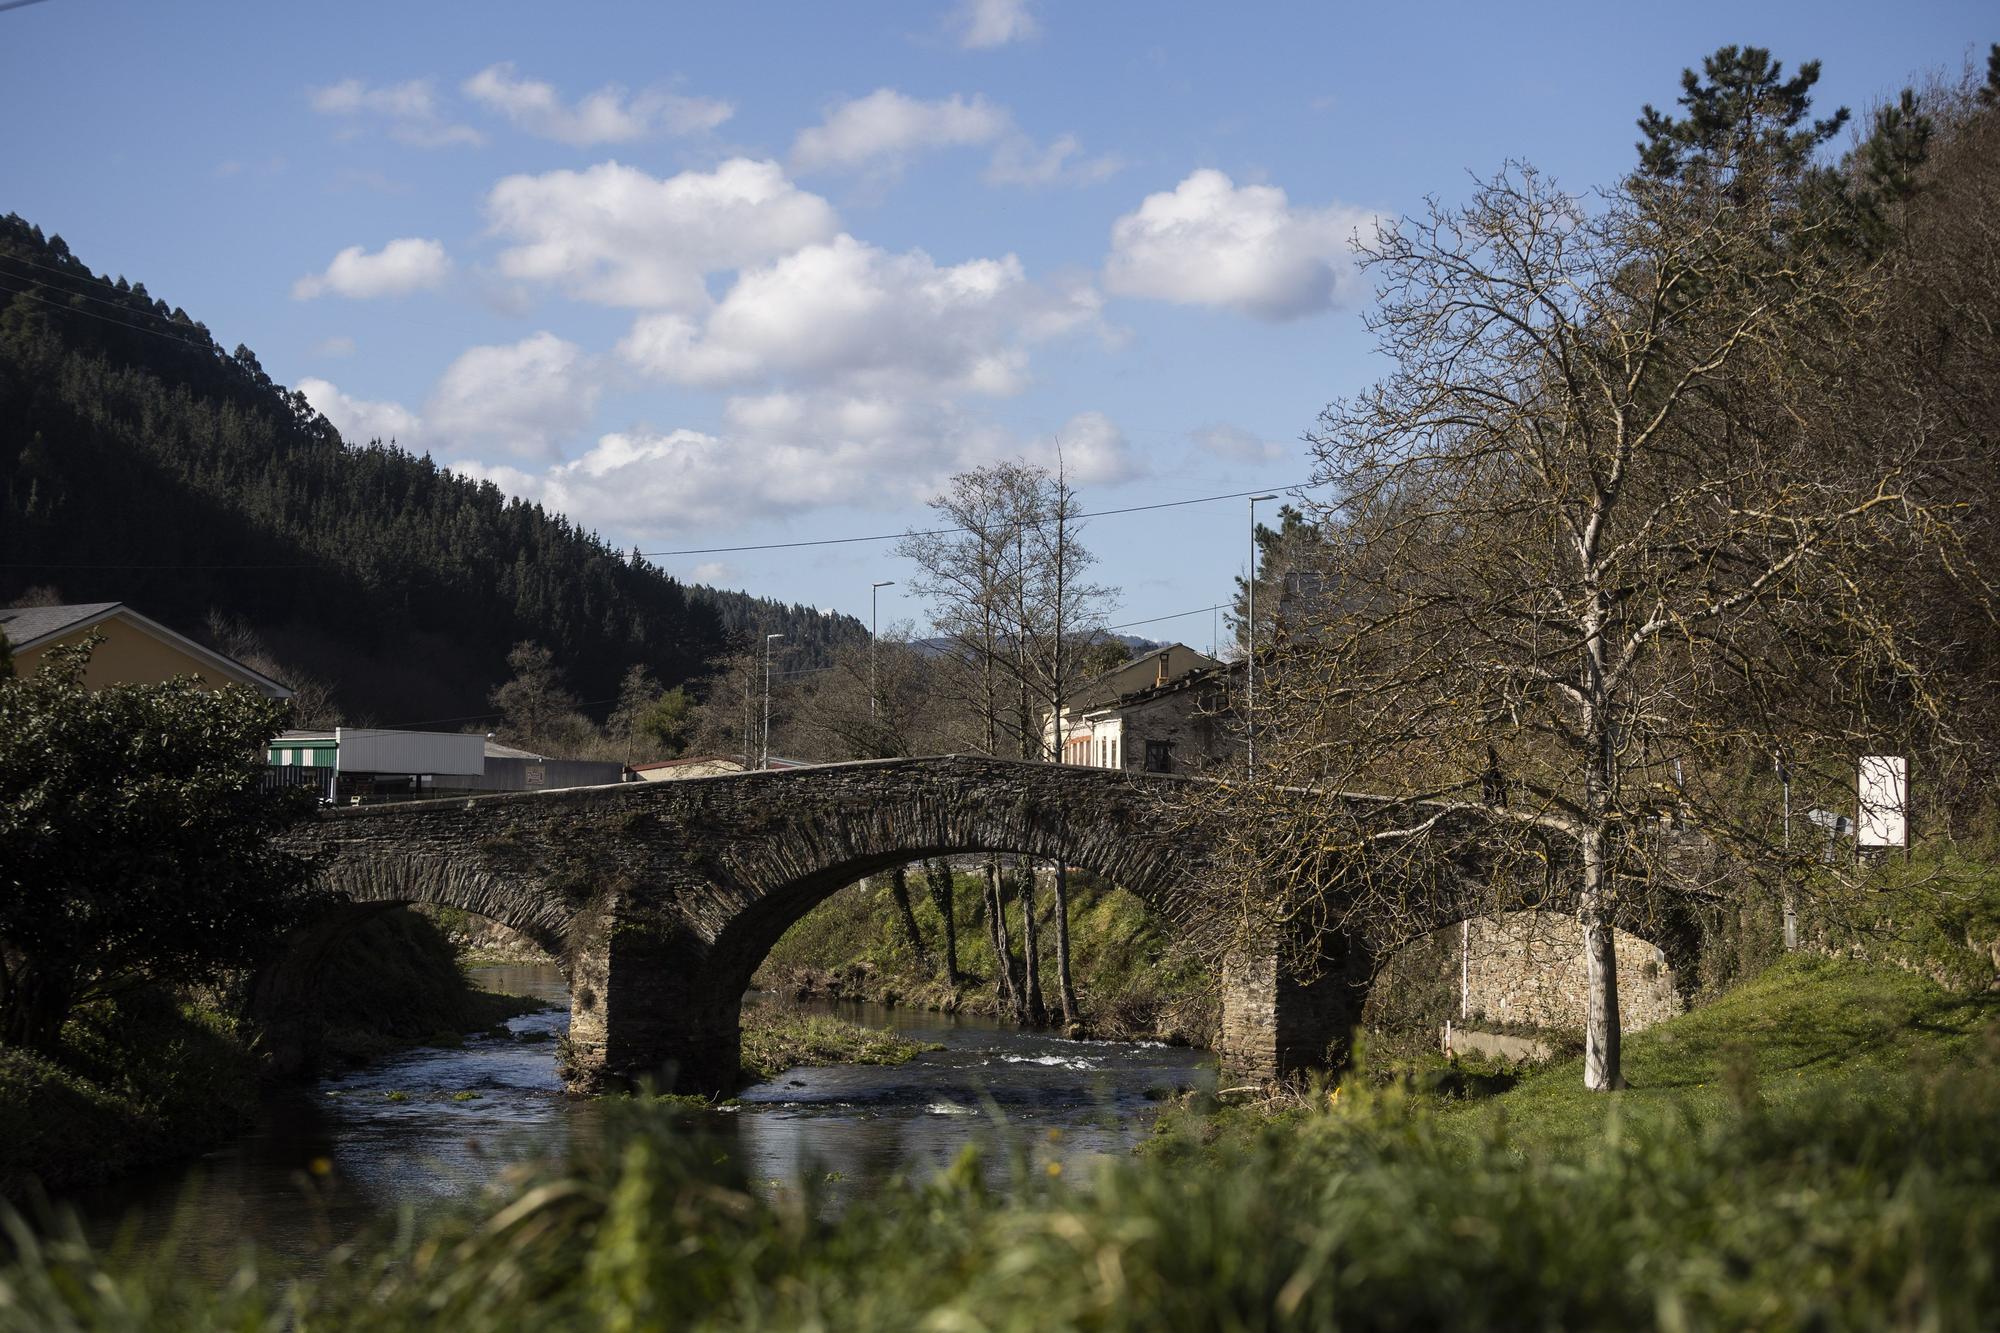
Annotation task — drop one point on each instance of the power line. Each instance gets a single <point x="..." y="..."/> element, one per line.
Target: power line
<point x="773" y="546"/>
<point x="209" y="348"/>
<point x="951" y="532"/>
<point x="125" y="305"/>
<point x="1178" y="615"/>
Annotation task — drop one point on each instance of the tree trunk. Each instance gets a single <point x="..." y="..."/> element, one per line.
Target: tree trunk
<point x="899" y="889"/>
<point x="37" y="1003"/>
<point x="1004" y="989"/>
<point x="1024" y="876"/>
<point x="1601" y="1068"/>
<point x="944" y="897"/>
<point x="1066" y="989"/>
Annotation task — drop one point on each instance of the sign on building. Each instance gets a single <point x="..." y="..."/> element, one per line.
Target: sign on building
<point x="1882" y="807"/>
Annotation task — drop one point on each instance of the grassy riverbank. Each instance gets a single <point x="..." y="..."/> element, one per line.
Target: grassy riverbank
<point x="1131" y="981"/>
<point x="1818" y="1155"/>
<point x="776" y="1039"/>
<point x="152" y="1076"/>
<point x="396" y="981"/>
<point x="146" y="1078"/>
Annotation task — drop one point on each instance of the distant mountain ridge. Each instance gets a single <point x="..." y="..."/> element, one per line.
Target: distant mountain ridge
<point x="139" y="462"/>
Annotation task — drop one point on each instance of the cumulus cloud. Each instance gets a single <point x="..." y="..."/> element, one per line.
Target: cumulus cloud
<point x="786" y="452"/>
<point x="402" y="266"/>
<point x="850" y="314"/>
<point x="886" y="128"/>
<point x="1234" y="443"/>
<point x="410" y="111"/>
<point x="1211" y="242"/>
<point x="987" y="23"/>
<point x="522" y="398"/>
<point x="359" y="420"/>
<point x="615" y="235"/>
<point x="609" y="115"/>
<point x="1094" y="451"/>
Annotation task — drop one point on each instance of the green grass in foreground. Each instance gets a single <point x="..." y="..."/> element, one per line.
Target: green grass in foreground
<point x="1843" y="1176"/>
<point x="776" y="1039"/>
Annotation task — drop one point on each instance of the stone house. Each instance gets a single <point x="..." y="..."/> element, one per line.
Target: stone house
<point x="1170" y="711"/>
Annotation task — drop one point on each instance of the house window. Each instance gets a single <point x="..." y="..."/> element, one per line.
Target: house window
<point x="1159" y="756"/>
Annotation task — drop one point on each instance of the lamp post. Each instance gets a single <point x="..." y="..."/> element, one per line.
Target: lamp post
<point x="765" y="760"/>
<point x="1250" y="639"/>
<point x="873" y="589"/>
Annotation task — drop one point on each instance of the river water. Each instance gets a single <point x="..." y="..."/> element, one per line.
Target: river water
<point x="431" y="1125"/>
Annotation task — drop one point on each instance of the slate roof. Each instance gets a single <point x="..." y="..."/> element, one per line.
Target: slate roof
<point x="25" y="626"/>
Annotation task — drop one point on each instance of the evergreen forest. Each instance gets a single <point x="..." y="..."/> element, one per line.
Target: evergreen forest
<point x="142" y="463"/>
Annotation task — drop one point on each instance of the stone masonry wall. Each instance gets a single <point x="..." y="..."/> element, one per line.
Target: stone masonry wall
<point x="1528" y="968"/>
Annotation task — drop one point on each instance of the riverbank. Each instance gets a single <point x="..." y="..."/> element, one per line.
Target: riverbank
<point x="146" y="1078"/>
<point x="1133" y="982"/>
<point x="152" y="1076"/>
<point x="1818" y="1155"/>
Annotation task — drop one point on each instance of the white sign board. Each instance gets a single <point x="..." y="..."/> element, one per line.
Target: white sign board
<point x="1882" y="810"/>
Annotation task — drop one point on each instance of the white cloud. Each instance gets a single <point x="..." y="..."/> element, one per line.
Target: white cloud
<point x="1093" y="451"/>
<point x="1018" y="161"/>
<point x="886" y="128"/>
<point x="850" y="314"/>
<point x="608" y="115"/>
<point x="398" y="268"/>
<point x="781" y="453"/>
<point x="521" y="399"/>
<point x="715" y="573"/>
<point x="615" y="235"/>
<point x="338" y="345"/>
<point x="359" y="420"/>
<point x="987" y="23"/>
<point x="1210" y="242"/>
<point x="410" y="110"/>
<point x="1233" y="442"/>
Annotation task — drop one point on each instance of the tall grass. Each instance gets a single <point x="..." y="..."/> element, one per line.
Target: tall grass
<point x="1858" y="1200"/>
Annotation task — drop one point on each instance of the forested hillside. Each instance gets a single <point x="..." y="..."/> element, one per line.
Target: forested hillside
<point x="141" y="463"/>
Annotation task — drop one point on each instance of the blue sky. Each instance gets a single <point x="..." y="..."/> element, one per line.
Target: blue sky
<point x="715" y="275"/>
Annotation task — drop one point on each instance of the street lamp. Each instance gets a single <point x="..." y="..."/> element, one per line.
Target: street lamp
<point x="1250" y="637"/>
<point x="873" y="589"/>
<point x="765" y="761"/>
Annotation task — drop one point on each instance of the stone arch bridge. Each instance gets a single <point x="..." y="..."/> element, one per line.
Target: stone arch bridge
<point x="660" y="899"/>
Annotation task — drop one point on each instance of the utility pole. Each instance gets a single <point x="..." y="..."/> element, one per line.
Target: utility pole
<point x="765" y="762"/>
<point x="873" y="589"/>
<point x="1250" y="639"/>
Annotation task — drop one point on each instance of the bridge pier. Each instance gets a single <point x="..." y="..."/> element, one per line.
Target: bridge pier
<point x="1278" y="1024"/>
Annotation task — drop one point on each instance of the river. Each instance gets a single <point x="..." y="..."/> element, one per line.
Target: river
<point x="431" y="1124"/>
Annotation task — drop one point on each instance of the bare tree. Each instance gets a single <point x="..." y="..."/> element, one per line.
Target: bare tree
<point x="971" y="575"/>
<point x="1068" y="614"/>
<point x="1588" y="562"/>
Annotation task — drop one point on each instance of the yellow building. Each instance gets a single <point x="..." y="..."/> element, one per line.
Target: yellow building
<point x="135" y="651"/>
